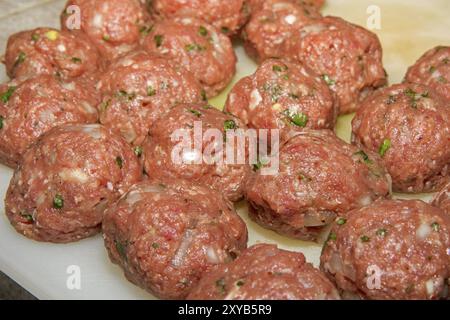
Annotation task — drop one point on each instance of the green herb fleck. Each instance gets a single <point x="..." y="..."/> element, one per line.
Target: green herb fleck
<point x="229" y="125"/>
<point x="381" y="232"/>
<point x="20" y="58"/>
<point x="225" y="30"/>
<point x="155" y="245"/>
<point x="328" y="80"/>
<point x="385" y="146"/>
<point x="391" y="99"/>
<point x="27" y="217"/>
<point x="146" y="30"/>
<point x="58" y="202"/>
<point x="202" y="31"/>
<point x="441" y="79"/>
<point x="220" y="284"/>
<point x="158" y="40"/>
<point x="240" y="283"/>
<point x="138" y="151"/>
<point x="436" y="227"/>
<point x="121" y="249"/>
<point x="365" y="239"/>
<point x="76" y="60"/>
<point x="1" y="122"/>
<point x="151" y="91"/>
<point x="299" y="119"/>
<point x="5" y="96"/>
<point x="35" y="37"/>
<point x="341" y="221"/>
<point x="432" y="69"/>
<point x="194" y="47"/>
<point x="204" y="96"/>
<point x="363" y="156"/>
<point x="332" y="237"/>
<point x="277" y="68"/>
<point x="119" y="161"/>
<point x="106" y="38"/>
<point x="195" y="112"/>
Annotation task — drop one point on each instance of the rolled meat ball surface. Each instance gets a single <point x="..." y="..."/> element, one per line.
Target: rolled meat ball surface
<point x="283" y="95"/>
<point x="167" y="235"/>
<point x="319" y="177"/>
<point x="196" y="46"/>
<point x="31" y="108"/>
<point x="138" y="88"/>
<point x="390" y="250"/>
<point x="67" y="179"/>
<point x="264" y="272"/>
<point x="409" y="126"/>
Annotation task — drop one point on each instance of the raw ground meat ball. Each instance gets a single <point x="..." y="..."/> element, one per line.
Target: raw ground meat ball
<point x="264" y="272"/>
<point x="227" y="16"/>
<point x="255" y="5"/>
<point x="49" y="51"/>
<point x="347" y="56"/>
<point x="409" y="126"/>
<point x="114" y="26"/>
<point x="165" y="236"/>
<point x="163" y="144"/>
<point x="319" y="177"/>
<point x="442" y="199"/>
<point x="198" y="47"/>
<point x="275" y="23"/>
<point x="138" y="88"/>
<point x="33" y="107"/>
<point x="283" y="95"/>
<point x="67" y="179"/>
<point x="390" y="250"/>
<point x="433" y="70"/>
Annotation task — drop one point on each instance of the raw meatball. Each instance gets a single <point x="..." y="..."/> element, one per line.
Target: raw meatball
<point x="274" y="24"/>
<point x="264" y="272"/>
<point x="165" y="236"/>
<point x="283" y="95"/>
<point x="48" y="51"/>
<point x="390" y="250"/>
<point x="433" y="70"/>
<point x="114" y="26"/>
<point x="198" y="47"/>
<point x="348" y="57"/>
<point x="67" y="179"/>
<point x="227" y="16"/>
<point x="442" y="199"/>
<point x="319" y="177"/>
<point x="409" y="125"/>
<point x="33" y="107"/>
<point x="138" y="88"/>
<point x="167" y="152"/>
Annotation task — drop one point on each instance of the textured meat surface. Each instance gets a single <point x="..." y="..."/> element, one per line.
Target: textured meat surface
<point x="348" y="57"/>
<point x="255" y="5"/>
<point x="390" y="250"/>
<point x="442" y="199"/>
<point x="138" y="88"/>
<point x="161" y="145"/>
<point x="433" y="70"/>
<point x="33" y="107"/>
<point x="320" y="176"/>
<point x="166" y="235"/>
<point x="283" y="95"/>
<point x="272" y="25"/>
<point x="48" y="51"/>
<point x="196" y="46"/>
<point x="409" y="125"/>
<point x="114" y="26"/>
<point x="264" y="272"/>
<point x="227" y="16"/>
<point x="67" y="179"/>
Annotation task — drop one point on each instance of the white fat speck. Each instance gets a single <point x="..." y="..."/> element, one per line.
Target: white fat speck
<point x="423" y="231"/>
<point x="98" y="21"/>
<point x="290" y="19"/>
<point x="430" y="287"/>
<point x="68" y="86"/>
<point x="186" y="21"/>
<point x="255" y="99"/>
<point x="74" y="175"/>
<point x="365" y="200"/>
<point x="110" y="186"/>
<point x="127" y="62"/>
<point x="94" y="130"/>
<point x="212" y="255"/>
<point x="61" y="48"/>
<point x="88" y="108"/>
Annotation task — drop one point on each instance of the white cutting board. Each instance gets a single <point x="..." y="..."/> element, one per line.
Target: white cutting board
<point x="408" y="29"/>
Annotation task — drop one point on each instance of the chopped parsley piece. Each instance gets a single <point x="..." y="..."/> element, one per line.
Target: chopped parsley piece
<point x="277" y="68"/>
<point x="5" y="96"/>
<point x="204" y="96"/>
<point x="441" y="79"/>
<point x="363" y="156"/>
<point x="155" y="245"/>
<point x="328" y="80"/>
<point x="341" y="221"/>
<point x="119" y="161"/>
<point x="1" y="122"/>
<point x="76" y="60"/>
<point x="240" y="283"/>
<point x="381" y="232"/>
<point x="129" y="96"/>
<point x="104" y="106"/>
<point x="121" y="249"/>
<point x="151" y="91"/>
<point x="35" y="37"/>
<point x="257" y="166"/>
<point x="27" y="217"/>
<point x="229" y="125"/>
<point x="432" y="69"/>
<point x="365" y="239"/>
<point x="194" y="47"/>
<point x="20" y="58"/>
<point x="298" y="119"/>
<point x="158" y="40"/>
<point x="391" y="99"/>
<point x="304" y="177"/>
<point x="436" y="227"/>
<point x="202" y="31"/>
<point x="106" y="37"/>
<point x="332" y="237"/>
<point x="445" y="61"/>
<point x="58" y="202"/>
<point x="220" y="284"/>
<point x="385" y="146"/>
<point x="225" y="30"/>
<point x="138" y="151"/>
<point x="195" y="112"/>
<point x="146" y="30"/>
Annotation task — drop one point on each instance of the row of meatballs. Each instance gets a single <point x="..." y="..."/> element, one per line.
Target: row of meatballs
<point x="167" y="233"/>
